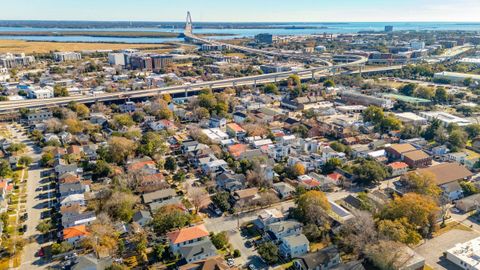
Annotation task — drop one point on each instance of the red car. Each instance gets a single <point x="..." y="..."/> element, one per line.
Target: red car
<point x="40" y="252"/>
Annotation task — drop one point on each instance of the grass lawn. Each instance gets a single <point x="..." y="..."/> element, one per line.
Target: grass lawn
<point x="316" y="246"/>
<point x="450" y="226"/>
<point x="286" y="265"/>
<point x="239" y="55"/>
<point x="18" y="46"/>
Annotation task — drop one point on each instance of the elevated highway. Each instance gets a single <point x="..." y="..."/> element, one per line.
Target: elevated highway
<point x="189" y="89"/>
<point x="7" y="107"/>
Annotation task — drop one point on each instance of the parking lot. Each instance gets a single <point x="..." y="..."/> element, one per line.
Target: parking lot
<point x="432" y="250"/>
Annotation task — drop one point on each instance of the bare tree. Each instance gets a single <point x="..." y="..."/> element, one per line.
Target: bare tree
<point x="198" y="197"/>
<point x="359" y="232"/>
<point x="388" y="255"/>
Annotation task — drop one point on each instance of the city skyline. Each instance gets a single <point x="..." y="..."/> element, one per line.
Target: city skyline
<point x="246" y="11"/>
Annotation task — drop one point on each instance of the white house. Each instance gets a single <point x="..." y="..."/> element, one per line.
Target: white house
<point x="294" y="246"/>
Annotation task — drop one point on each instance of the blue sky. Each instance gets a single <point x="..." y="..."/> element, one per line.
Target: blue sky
<point x="243" y="10"/>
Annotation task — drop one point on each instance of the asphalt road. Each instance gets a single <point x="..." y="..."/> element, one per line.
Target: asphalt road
<point x="230" y="224"/>
<point x="34" y="205"/>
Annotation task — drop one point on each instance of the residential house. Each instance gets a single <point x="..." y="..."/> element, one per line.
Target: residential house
<point x="267" y="217"/>
<point x="284" y="190"/>
<point x="294" y="245"/>
<point x="324" y="259"/>
<point x="239" y="117"/>
<point x="215" y="166"/>
<point x="230" y="182"/>
<point x="279" y="230"/>
<point x="245" y="196"/>
<point x="159" y="195"/>
<point x="67" y="189"/>
<point x="73" y="199"/>
<point x="398" y="168"/>
<point x="236" y="131"/>
<point x="446" y="173"/>
<point x="197" y="251"/>
<point x="75" y="219"/>
<point x="217" y="122"/>
<point x="75" y="234"/>
<point x="143" y="218"/>
<point x="185" y="236"/>
<point x="469" y="203"/>
<point x="91" y="262"/>
<point x="162" y="125"/>
<point x="67" y="168"/>
<point x="211" y="263"/>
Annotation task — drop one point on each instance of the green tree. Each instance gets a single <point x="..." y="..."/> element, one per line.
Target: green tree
<point x="408" y="89"/>
<point x="369" y="172"/>
<point x="25" y="161"/>
<point x="373" y="114"/>
<point x="152" y="144"/>
<point x="61" y="248"/>
<point x="220" y="199"/>
<point x="469" y="188"/>
<point x="468" y="82"/>
<point x="432" y="129"/>
<point x="331" y="165"/>
<point x="425" y="92"/>
<point x="219" y="240"/>
<point x="159" y="250"/>
<point x="457" y="140"/>
<point x="271" y="88"/>
<point x="269" y="252"/>
<point x="47" y="159"/>
<point x="45" y="226"/>
<point x="441" y="95"/>
<point x="329" y="83"/>
<point x="473" y="130"/>
<point x="123" y="120"/>
<point x="170" y="164"/>
<point x="60" y="91"/>
<point x="5" y="169"/>
<point x="102" y="169"/>
<point x="119" y="149"/>
<point x="390" y="122"/>
<point x="169" y="217"/>
<point x="339" y="147"/>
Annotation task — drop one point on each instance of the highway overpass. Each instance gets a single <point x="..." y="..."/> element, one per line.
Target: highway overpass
<point x="188" y="89"/>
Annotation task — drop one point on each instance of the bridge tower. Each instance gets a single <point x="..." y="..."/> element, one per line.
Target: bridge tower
<point x="189" y="24"/>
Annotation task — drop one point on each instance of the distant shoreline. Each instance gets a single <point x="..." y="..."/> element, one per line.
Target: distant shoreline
<point x="112" y="34"/>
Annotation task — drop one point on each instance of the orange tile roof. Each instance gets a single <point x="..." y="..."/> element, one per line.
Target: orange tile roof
<point x="398" y="165"/>
<point x="141" y="164"/>
<point x="335" y="176"/>
<point x="187" y="234"/>
<point x="235" y="127"/>
<point x="237" y="149"/>
<point x="69" y="179"/>
<point x="74" y="149"/>
<point x="311" y="183"/>
<point x="75" y="231"/>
